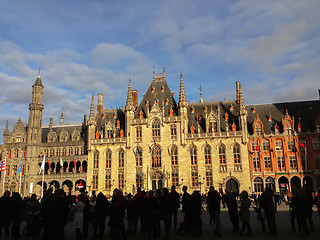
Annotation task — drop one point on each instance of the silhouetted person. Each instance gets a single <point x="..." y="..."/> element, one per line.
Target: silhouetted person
<point x="138" y="205"/>
<point x="214" y="208"/>
<point x="101" y="211"/>
<point x="186" y="200"/>
<point x="78" y="217"/>
<point x="268" y="204"/>
<point x="47" y="213"/>
<point x="245" y="213"/>
<point x="118" y="207"/>
<point x="6" y="214"/>
<point x="195" y="213"/>
<point x="175" y="205"/>
<point x="232" y="205"/>
<point x="17" y="214"/>
<point x="165" y="206"/>
<point x="61" y="214"/>
<point x="293" y="210"/>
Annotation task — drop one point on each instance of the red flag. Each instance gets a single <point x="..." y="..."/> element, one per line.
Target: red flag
<point x="49" y="163"/>
<point x="257" y="148"/>
<point x="74" y="162"/>
<point x="303" y="145"/>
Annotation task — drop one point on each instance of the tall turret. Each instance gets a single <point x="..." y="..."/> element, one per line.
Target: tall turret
<point x="129" y="114"/>
<point x="242" y="114"/>
<point x="183" y="111"/>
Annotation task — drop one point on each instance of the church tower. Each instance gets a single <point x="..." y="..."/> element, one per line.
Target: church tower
<point x="129" y="115"/>
<point x="34" y="132"/>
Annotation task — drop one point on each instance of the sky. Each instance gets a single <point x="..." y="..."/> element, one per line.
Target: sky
<point x="88" y="47"/>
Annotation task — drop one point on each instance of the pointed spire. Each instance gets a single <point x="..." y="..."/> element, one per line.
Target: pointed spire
<point x="129" y="105"/>
<point x="201" y="99"/>
<point x="6" y="131"/>
<point x="182" y="94"/>
<point x="61" y="119"/>
<point x="91" y="116"/>
<point x="38" y="80"/>
<point x="240" y="100"/>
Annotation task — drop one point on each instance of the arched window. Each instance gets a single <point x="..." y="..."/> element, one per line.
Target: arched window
<point x="236" y="154"/>
<point x="108" y="158"/>
<point x="96" y="160"/>
<point x="70" y="151"/>
<point x="193" y="155"/>
<point x="64" y="151"/>
<point x="121" y="158"/>
<point x="58" y="152"/>
<point x="174" y="155"/>
<point x="258" y="184"/>
<point x="76" y="151"/>
<point x="222" y="154"/>
<point x="156" y="130"/>
<point x="156" y="157"/>
<point x="139" y="157"/>
<point x="270" y="183"/>
<point x="207" y="155"/>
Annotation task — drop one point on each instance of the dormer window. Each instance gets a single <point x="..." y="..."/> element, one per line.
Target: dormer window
<point x="192" y="110"/>
<point x="162" y="89"/>
<point x="212" y="126"/>
<point x="258" y="130"/>
<point x="231" y="107"/>
<point x="152" y="90"/>
<point x="288" y="129"/>
<point x="167" y="101"/>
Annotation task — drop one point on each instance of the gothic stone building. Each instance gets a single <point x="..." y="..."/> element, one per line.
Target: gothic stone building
<point x="161" y="143"/>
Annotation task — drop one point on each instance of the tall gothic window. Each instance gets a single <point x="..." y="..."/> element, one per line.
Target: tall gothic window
<point x="222" y="154"/>
<point x="139" y="134"/>
<point x="108" y="181"/>
<point x="281" y="164"/>
<point x="207" y="154"/>
<point x="194" y="178"/>
<point x="156" y="157"/>
<point x="293" y="163"/>
<point x="96" y="160"/>
<point x="193" y="154"/>
<point x="175" y="178"/>
<point x="256" y="164"/>
<point x="173" y="132"/>
<point x="139" y="157"/>
<point x="258" y="130"/>
<point x="174" y="155"/>
<point x="108" y="158"/>
<point x="156" y="130"/>
<point x="236" y="154"/>
<point x="121" y="158"/>
<point x="212" y="126"/>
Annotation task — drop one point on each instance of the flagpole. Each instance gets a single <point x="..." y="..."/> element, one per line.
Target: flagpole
<point x="42" y="183"/>
<point x="4" y="179"/>
<point x="20" y="184"/>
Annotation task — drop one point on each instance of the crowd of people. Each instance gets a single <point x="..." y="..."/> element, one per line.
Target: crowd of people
<point x="153" y="209"/>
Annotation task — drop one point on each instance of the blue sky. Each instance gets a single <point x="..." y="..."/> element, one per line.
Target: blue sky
<point x="90" y="47"/>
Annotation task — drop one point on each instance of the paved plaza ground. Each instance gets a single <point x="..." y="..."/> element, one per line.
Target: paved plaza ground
<point x="282" y="218"/>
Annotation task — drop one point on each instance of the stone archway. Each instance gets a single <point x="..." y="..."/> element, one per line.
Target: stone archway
<point x="156" y="180"/>
<point x="232" y="185"/>
<point x="269" y="182"/>
<point x="295" y="183"/>
<point x="308" y="181"/>
<point x="67" y="186"/>
<point x="55" y="185"/>
<point x="283" y="184"/>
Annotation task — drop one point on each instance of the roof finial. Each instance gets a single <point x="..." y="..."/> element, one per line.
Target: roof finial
<point x="164" y="69"/>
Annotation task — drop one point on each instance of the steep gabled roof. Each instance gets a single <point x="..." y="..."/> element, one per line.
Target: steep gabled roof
<point x="157" y="93"/>
<point x="304" y="112"/>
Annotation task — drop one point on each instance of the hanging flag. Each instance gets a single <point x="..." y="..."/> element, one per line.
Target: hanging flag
<point x="74" y="162"/>
<point x="138" y="150"/>
<point x="20" y="166"/>
<point x="61" y="163"/>
<point x="303" y="145"/>
<point x="257" y="148"/>
<point x="49" y="163"/>
<point x="3" y="165"/>
<point x="42" y="164"/>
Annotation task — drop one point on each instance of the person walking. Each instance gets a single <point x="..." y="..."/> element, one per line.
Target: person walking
<point x="245" y="213"/>
<point x="268" y="204"/>
<point x="6" y="214"/>
<point x="175" y="205"/>
<point x="214" y="202"/>
<point x="78" y="217"/>
<point x="232" y="205"/>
